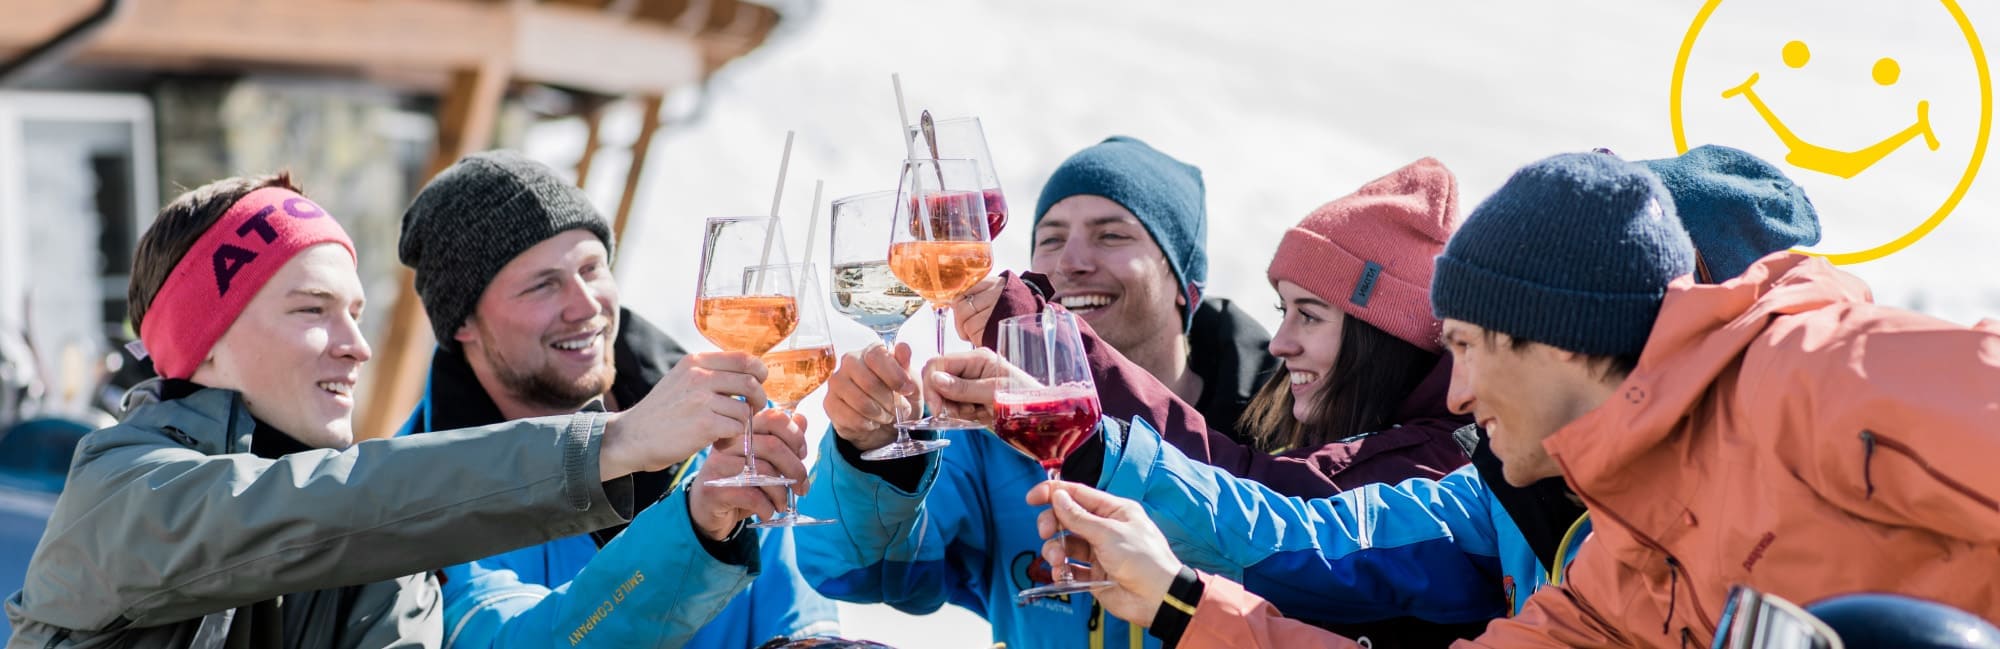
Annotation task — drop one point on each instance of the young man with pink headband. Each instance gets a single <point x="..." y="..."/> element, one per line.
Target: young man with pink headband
<point x="232" y="508"/>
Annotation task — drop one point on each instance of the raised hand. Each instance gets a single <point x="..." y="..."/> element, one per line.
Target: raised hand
<point x="695" y="405"/>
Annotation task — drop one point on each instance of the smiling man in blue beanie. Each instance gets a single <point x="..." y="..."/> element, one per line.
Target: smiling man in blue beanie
<point x="1121" y="232"/>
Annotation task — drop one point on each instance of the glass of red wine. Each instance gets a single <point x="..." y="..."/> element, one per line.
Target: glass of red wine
<point x="1048" y="408"/>
<point x="962" y="137"/>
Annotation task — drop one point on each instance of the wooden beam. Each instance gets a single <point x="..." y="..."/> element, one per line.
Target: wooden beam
<point x="649" y="124"/>
<point x="621" y="57"/>
<point x="465" y="125"/>
<point x="573" y="45"/>
<point x="593" y="121"/>
<point x="343" y="33"/>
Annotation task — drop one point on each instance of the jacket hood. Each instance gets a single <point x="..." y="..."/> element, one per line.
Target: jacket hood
<point x="1703" y="331"/>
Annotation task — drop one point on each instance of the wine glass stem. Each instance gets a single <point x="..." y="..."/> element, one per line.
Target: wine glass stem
<point x="939" y="312"/>
<point x="749" y="457"/>
<point x="1067" y="574"/>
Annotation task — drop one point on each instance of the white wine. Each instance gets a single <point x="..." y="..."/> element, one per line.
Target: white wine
<point x="869" y="293"/>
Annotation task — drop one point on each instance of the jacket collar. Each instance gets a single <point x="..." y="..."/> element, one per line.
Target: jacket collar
<point x="642" y="355"/>
<point x="1701" y="334"/>
<point x="212" y="421"/>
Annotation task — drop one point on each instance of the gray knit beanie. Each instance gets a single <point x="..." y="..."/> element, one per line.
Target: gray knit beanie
<point x="474" y="218"/>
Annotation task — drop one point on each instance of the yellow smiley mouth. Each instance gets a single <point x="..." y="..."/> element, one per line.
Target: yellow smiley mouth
<point x="1845" y="164"/>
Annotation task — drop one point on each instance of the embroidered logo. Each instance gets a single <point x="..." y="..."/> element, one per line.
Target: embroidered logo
<point x="1758" y="552"/>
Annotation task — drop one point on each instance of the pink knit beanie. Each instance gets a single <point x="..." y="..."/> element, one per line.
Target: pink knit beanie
<point x="1370" y="253"/>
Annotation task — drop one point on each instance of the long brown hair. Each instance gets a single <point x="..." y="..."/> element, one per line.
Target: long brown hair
<point x="1374" y="373"/>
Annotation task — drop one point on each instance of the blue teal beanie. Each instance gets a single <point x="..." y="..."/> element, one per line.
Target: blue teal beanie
<point x="1165" y="194"/>
<point x="1574" y="251"/>
<point x="1736" y="207"/>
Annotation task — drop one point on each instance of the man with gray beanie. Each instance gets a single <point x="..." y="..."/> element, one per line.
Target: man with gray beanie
<point x="1754" y="431"/>
<point x="513" y="264"/>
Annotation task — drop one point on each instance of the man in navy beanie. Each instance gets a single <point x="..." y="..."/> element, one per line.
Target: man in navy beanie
<point x="1121" y="232"/>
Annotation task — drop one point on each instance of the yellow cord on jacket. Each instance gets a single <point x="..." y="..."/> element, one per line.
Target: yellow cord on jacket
<point x="1556" y="572"/>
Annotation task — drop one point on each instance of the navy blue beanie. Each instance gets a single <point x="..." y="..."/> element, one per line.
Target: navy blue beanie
<point x="1574" y="251"/>
<point x="1165" y="194"/>
<point x="1736" y="207"/>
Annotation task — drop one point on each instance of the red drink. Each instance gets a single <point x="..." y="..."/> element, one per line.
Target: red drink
<point x="996" y="212"/>
<point x="952" y="214"/>
<point x="1047" y="423"/>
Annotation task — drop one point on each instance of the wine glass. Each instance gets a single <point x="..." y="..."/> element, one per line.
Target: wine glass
<point x="867" y="291"/>
<point x="1048" y="407"/>
<point x="938" y="246"/>
<point x="962" y="137"/>
<point x="797" y="366"/>
<point x="745" y="312"/>
<point x="864" y="289"/>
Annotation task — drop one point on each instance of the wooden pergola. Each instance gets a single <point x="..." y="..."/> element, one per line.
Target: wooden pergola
<point x="470" y="53"/>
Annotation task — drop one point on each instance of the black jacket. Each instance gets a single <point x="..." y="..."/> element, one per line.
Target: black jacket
<point x="1230" y="352"/>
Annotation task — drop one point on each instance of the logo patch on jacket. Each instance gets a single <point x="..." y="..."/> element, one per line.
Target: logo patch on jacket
<point x="1029" y="569"/>
<point x="1758" y="552"/>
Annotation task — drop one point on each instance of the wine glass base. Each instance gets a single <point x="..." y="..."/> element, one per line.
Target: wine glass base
<point x="906" y="448"/>
<point x="751" y="481"/>
<point x="1060" y="588"/>
<point x="792" y="520"/>
<point x="940" y="423"/>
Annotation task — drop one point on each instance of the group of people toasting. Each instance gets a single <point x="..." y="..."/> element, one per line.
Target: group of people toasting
<point x="1577" y="414"/>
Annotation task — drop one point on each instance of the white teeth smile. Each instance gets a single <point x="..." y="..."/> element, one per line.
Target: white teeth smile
<point x="576" y="345"/>
<point x="1085" y="302"/>
<point x="336" y="387"/>
<point x="1302" y="378"/>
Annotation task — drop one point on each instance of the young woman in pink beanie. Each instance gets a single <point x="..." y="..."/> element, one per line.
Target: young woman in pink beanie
<point x="1363" y="383"/>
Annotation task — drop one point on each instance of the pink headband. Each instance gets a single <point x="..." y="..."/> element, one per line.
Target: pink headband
<point x="225" y="269"/>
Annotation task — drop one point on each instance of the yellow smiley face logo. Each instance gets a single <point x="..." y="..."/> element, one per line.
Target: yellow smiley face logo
<point x="1880" y="122"/>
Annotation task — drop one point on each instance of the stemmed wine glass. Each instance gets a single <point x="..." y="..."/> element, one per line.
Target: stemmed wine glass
<point x="797" y="366"/>
<point x="1047" y="407"/>
<point x="745" y="312"/>
<point x="939" y="247"/>
<point x="866" y="290"/>
<point x="962" y="137"/>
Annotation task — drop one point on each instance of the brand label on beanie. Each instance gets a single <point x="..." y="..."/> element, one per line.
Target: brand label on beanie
<point x="1365" y="287"/>
<point x="229" y="258"/>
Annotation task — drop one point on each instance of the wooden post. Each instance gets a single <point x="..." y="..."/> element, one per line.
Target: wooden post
<point x="465" y="125"/>
<point x="648" y="125"/>
<point x="593" y="119"/>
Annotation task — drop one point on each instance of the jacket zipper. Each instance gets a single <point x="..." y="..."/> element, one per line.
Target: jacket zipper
<point x="1870" y="440"/>
<point x="1673" y="565"/>
<point x="229" y="434"/>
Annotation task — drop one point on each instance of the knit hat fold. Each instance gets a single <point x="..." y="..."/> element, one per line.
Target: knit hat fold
<point x="474" y="218"/>
<point x="1574" y="251"/>
<point x="1165" y="194"/>
<point x="1370" y="253"/>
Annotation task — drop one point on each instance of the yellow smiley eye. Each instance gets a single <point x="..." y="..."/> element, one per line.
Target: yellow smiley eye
<point x="1796" y="54"/>
<point x="1887" y="71"/>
